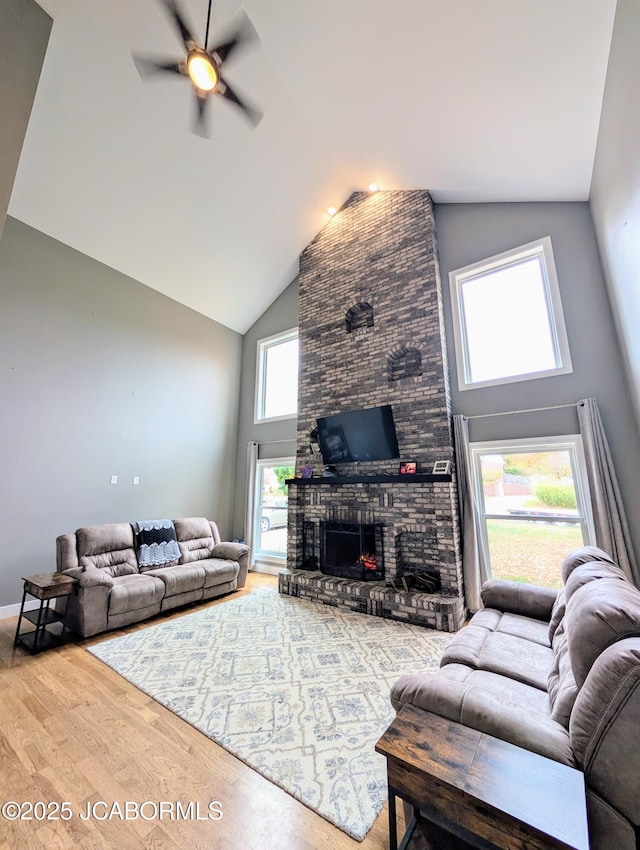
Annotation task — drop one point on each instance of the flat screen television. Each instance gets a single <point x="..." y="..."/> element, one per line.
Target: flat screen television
<point x="358" y="435"/>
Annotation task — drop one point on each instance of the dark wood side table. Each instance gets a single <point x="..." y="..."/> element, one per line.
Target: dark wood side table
<point x="45" y="587"/>
<point x="478" y="789"/>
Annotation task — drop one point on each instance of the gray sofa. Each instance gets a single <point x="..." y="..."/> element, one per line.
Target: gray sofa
<point x="557" y="674"/>
<point x="114" y="591"/>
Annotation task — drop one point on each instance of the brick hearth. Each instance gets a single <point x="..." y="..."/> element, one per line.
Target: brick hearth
<point x="372" y="333"/>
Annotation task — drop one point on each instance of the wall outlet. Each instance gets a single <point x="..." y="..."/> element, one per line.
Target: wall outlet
<point x="114" y="479"/>
<point x="136" y="480"/>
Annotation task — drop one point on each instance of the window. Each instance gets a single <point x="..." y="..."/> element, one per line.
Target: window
<point x="277" y="377"/>
<point x="534" y="505"/>
<point x="507" y="315"/>
<point x="271" y="499"/>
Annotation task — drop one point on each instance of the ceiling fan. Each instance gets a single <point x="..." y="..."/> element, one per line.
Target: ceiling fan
<point x="203" y="65"/>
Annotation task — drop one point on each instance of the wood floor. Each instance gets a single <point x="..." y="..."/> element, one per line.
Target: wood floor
<point x="73" y="730"/>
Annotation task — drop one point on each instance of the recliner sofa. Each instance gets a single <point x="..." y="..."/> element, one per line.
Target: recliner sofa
<point x="113" y="590"/>
<point x="557" y="674"/>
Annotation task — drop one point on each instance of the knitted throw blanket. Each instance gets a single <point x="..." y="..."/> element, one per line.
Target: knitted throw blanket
<point x="157" y="543"/>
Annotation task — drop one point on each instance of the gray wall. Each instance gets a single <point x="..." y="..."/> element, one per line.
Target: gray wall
<point x="280" y="316"/>
<point x="615" y="189"/>
<point x="101" y="376"/>
<point x="24" y="35"/>
<point x="471" y="232"/>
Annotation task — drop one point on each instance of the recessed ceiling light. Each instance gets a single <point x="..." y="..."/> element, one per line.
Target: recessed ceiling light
<point x="332" y="211"/>
<point x="373" y="187"/>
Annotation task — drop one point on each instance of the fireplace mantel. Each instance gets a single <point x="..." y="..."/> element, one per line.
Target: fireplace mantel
<point x="416" y="478"/>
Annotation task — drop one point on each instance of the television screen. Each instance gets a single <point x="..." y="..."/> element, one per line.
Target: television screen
<point x="358" y="435"/>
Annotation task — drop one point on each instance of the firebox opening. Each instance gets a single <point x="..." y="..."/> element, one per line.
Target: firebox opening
<point x="351" y="550"/>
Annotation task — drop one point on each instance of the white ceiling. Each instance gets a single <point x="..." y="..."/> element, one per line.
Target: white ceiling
<point x="476" y="100"/>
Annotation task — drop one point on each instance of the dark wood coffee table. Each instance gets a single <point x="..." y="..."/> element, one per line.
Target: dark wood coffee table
<point x="45" y="587"/>
<point x="479" y="790"/>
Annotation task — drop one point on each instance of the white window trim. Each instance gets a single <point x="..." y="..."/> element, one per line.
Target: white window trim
<point x="540" y="247"/>
<point x="262" y="348"/>
<point x="566" y="442"/>
<point x="269" y="562"/>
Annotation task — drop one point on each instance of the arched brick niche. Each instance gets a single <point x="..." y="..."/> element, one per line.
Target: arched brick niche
<point x="359" y="316"/>
<point x="405" y="362"/>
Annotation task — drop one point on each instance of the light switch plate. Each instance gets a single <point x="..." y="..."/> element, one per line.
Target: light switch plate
<point x="136" y="480"/>
<point x="114" y="479"/>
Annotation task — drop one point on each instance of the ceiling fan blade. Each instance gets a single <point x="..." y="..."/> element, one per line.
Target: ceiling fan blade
<point x="200" y="125"/>
<point x="149" y="67"/>
<point x="253" y="114"/>
<point x="176" y="15"/>
<point x="244" y="34"/>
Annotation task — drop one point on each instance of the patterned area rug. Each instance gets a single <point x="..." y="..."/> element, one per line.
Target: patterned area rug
<point x="297" y="690"/>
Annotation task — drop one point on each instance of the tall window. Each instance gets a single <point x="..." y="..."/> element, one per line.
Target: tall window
<point x="508" y="321"/>
<point x="277" y="377"/>
<point x="270" y="534"/>
<point x="535" y="505"/>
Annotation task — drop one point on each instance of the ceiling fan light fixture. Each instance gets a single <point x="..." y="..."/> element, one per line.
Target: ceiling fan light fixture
<point x="203" y="65"/>
<point x="202" y="70"/>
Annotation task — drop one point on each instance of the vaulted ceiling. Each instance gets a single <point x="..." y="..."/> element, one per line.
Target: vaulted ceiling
<point x="476" y="100"/>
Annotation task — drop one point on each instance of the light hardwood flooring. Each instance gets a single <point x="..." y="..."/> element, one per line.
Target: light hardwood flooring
<point x="73" y="730"/>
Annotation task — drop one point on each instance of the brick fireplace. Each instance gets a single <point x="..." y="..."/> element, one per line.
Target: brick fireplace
<point x="372" y="333"/>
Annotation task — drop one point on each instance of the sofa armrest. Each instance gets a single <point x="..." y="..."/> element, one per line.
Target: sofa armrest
<point x="89" y="577"/>
<point x="529" y="600"/>
<point x="234" y="552"/>
<point x="229" y="551"/>
<point x="86" y="609"/>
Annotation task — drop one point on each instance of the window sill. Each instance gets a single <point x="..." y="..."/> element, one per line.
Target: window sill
<point x="463" y="385"/>
<point x="275" y="418"/>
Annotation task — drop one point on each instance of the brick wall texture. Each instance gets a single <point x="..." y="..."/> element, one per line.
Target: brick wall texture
<point x="379" y="251"/>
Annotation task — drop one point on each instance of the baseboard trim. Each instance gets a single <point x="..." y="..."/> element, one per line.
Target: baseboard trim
<point x="7" y="611"/>
<point x="268" y="569"/>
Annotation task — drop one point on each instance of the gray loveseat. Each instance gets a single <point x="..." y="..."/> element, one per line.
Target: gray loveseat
<point x="558" y="674"/>
<point x="113" y="590"/>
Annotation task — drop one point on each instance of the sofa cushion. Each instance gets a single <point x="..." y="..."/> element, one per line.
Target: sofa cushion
<point x="499" y="652"/>
<point x="583" y="555"/>
<point x="591" y="572"/>
<point x="465" y="647"/>
<point x="179" y="579"/>
<point x="517" y="658"/>
<point x="131" y="592"/>
<point x="490" y="703"/>
<point x="488" y="618"/>
<point x="218" y="571"/>
<point x="195" y="539"/>
<point x="599" y="614"/>
<point x="524" y="627"/>
<point x="107" y="547"/>
<point x="511" y="624"/>
<point x="557" y="614"/>
<point x="561" y="683"/>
